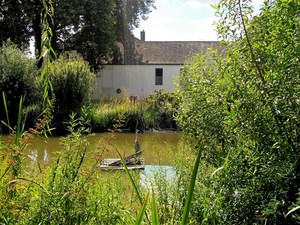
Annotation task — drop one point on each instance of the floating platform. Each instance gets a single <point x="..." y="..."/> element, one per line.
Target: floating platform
<point x="116" y="164"/>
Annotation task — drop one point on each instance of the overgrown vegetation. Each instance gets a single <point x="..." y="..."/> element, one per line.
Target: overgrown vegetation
<point x="73" y="86"/>
<point x="70" y="191"/>
<point x="244" y="108"/>
<point x="240" y="113"/>
<point x="154" y="112"/>
<point x="18" y="77"/>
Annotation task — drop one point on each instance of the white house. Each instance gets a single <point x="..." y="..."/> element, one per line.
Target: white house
<point x="147" y="66"/>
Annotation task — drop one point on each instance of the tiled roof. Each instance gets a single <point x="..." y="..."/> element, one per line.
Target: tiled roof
<point x="165" y="52"/>
<point x="134" y="51"/>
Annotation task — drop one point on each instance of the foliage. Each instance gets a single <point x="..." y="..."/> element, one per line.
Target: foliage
<point x="129" y="14"/>
<point x="18" y="77"/>
<point x="93" y="34"/>
<point x="88" y="27"/>
<point x="160" y="106"/>
<point x="68" y="191"/>
<point x="154" y="112"/>
<point x="13" y="24"/>
<point x="73" y="86"/>
<point x="105" y="115"/>
<point x="245" y="109"/>
<point x="65" y="195"/>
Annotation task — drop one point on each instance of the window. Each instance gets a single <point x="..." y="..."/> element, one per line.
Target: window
<point x="158" y="76"/>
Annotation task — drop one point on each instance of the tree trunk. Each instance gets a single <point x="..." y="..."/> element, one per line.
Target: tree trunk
<point x="37" y="31"/>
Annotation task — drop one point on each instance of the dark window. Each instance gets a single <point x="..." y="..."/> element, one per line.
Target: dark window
<point x="158" y="76"/>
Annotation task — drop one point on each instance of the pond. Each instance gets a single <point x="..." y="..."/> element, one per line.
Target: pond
<point x="157" y="147"/>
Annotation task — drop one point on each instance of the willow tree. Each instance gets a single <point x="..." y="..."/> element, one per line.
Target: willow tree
<point x="244" y="108"/>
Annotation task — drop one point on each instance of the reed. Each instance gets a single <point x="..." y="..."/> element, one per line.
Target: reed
<point x="146" y="113"/>
<point x="104" y="116"/>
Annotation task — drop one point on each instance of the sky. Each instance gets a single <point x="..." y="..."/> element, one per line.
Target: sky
<point x="181" y="20"/>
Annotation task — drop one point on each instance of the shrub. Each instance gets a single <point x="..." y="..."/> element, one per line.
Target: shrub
<point x="18" y="77"/>
<point x="73" y="85"/>
<point x="159" y="110"/>
<point x="245" y="110"/>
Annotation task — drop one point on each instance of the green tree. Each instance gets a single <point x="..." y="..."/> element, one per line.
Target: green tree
<point x="245" y="108"/>
<point x="73" y="85"/>
<point x="13" y="24"/>
<point x="89" y="27"/>
<point x="129" y="13"/>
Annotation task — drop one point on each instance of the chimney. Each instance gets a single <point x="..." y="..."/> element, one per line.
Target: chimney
<point x="143" y="35"/>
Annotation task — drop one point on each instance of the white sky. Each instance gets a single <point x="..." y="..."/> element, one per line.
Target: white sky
<point x="181" y="20"/>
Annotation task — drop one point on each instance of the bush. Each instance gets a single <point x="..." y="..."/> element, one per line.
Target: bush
<point x="245" y="109"/>
<point x="159" y="113"/>
<point x="18" y="77"/>
<point x="73" y="85"/>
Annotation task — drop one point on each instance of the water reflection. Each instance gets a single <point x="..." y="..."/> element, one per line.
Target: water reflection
<point x="154" y="173"/>
<point x="158" y="148"/>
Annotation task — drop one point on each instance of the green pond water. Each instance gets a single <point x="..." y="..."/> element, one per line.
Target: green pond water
<point x="158" y="148"/>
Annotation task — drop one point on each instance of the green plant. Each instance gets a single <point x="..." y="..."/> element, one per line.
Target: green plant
<point x="72" y="191"/>
<point x="18" y="77"/>
<point x="244" y="105"/>
<point x="73" y="86"/>
<point x="159" y="110"/>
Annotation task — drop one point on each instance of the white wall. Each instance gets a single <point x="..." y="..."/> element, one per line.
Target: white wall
<point x="133" y="80"/>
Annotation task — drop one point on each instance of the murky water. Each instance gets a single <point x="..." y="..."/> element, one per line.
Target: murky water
<point x="158" y="148"/>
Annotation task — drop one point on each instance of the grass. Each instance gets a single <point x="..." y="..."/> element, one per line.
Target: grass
<point x="72" y="191"/>
<point x="143" y="114"/>
<point x="106" y="115"/>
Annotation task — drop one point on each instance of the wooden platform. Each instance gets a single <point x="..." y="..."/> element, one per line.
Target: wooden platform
<point x="115" y="164"/>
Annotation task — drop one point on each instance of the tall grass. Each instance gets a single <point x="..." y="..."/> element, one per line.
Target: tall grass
<point x="68" y="191"/>
<point x="72" y="191"/>
<point x="144" y="114"/>
<point x="105" y="116"/>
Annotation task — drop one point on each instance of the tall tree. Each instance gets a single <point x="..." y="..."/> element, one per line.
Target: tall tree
<point x="89" y="27"/>
<point x="129" y="13"/>
<point x="13" y="23"/>
<point x="92" y="31"/>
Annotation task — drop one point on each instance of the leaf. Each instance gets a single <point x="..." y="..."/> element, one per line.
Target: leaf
<point x="18" y="132"/>
<point x="189" y="197"/>
<point x="142" y="210"/>
<point x="155" y="219"/>
<point x="213" y="173"/>
<point x="213" y="6"/>
<point x="132" y="181"/>
<point x="5" y="108"/>
<point x="292" y="210"/>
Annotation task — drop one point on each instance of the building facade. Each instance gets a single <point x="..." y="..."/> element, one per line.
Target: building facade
<point x="147" y="66"/>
